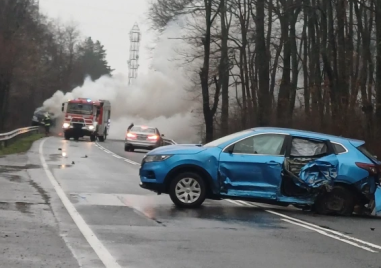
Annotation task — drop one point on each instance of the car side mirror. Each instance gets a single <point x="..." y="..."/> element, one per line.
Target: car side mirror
<point x="63" y="107"/>
<point x="162" y="135"/>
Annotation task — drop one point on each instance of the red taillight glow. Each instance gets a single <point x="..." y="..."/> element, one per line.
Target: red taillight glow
<point x="372" y="169"/>
<point x="154" y="137"/>
<point x="130" y="135"/>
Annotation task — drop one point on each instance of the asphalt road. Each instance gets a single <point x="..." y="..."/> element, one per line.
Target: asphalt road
<point x="102" y="218"/>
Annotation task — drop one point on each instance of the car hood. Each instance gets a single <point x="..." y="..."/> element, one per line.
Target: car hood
<point x="178" y="149"/>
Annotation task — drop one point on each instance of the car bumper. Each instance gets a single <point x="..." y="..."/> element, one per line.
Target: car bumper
<point x="154" y="187"/>
<point x="78" y="131"/>
<point x="377" y="202"/>
<point x="152" y="176"/>
<point x="142" y="144"/>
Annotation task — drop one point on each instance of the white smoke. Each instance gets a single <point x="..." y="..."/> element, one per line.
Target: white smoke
<point x="158" y="97"/>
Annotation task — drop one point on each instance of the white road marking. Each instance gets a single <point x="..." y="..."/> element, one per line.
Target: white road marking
<point x="324" y="231"/>
<point x="116" y="156"/>
<point x="103" y="254"/>
<point x="322" y="228"/>
<point x="329" y="235"/>
<point x="327" y="232"/>
<point x="234" y="202"/>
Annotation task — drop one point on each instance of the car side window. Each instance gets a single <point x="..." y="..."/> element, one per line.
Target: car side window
<point x="338" y="148"/>
<point x="308" y="148"/>
<point x="267" y="144"/>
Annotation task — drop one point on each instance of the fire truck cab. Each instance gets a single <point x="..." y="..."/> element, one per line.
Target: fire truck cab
<point x="86" y="117"/>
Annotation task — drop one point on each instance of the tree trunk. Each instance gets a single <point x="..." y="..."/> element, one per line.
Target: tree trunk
<point x="342" y="85"/>
<point x="284" y="89"/>
<point x="378" y="66"/>
<point x="224" y="72"/>
<point x="262" y="65"/>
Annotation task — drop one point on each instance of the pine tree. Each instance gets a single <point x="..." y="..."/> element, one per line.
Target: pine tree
<point x="93" y="59"/>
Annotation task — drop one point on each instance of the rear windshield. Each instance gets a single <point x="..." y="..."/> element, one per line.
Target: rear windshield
<point x="143" y="129"/>
<point x="367" y="153"/>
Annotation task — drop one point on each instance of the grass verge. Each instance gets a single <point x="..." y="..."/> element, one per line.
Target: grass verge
<point x="20" y="146"/>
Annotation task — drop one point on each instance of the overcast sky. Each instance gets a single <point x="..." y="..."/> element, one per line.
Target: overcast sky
<point x="109" y="21"/>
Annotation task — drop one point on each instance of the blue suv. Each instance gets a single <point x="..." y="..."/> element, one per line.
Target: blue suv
<point x="330" y="174"/>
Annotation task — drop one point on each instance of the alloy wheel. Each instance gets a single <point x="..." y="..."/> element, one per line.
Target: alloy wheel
<point x="188" y="190"/>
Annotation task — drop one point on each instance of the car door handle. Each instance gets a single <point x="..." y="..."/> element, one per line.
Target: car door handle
<point x="272" y="163"/>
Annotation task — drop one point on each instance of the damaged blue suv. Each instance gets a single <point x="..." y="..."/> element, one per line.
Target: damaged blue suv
<point x="329" y="174"/>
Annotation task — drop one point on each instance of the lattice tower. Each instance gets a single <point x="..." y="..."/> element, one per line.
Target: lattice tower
<point x="133" y="61"/>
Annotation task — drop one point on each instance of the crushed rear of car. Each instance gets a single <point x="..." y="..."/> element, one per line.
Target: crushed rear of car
<point x="329" y="176"/>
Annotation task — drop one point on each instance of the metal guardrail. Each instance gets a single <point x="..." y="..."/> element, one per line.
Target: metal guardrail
<point x="9" y="137"/>
<point x="169" y="141"/>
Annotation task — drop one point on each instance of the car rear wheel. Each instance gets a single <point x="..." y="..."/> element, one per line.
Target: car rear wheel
<point x="128" y="148"/>
<point x="67" y="137"/>
<point x="187" y="190"/>
<point x="339" y="201"/>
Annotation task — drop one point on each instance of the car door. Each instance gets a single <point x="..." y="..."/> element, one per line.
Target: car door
<point x="160" y="137"/>
<point x="313" y="160"/>
<point x="252" y="167"/>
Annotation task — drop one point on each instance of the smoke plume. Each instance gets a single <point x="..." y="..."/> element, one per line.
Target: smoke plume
<point x="158" y="97"/>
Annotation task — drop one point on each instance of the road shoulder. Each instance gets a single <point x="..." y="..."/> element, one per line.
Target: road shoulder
<point x="30" y="234"/>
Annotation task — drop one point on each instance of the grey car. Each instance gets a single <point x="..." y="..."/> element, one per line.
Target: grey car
<point x="143" y="137"/>
<point x="38" y="117"/>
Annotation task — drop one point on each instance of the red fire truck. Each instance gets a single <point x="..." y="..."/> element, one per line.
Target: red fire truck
<point x="86" y="117"/>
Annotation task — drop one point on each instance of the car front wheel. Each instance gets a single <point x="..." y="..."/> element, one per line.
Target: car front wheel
<point x="187" y="190"/>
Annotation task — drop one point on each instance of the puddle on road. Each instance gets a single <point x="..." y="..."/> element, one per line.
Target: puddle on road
<point x="241" y="215"/>
<point x="54" y="157"/>
<point x="160" y="210"/>
<point x="11" y="178"/>
<point x="23" y="207"/>
<point x="72" y="145"/>
<point x="60" y="166"/>
<point x="8" y="168"/>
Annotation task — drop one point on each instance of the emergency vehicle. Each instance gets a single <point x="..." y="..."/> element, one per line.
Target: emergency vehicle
<point x="86" y="117"/>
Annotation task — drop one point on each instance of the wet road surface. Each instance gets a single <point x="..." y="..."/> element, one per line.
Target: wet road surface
<point x="136" y="228"/>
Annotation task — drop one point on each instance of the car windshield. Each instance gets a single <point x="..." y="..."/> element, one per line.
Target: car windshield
<point x="80" y="108"/>
<point x="143" y="129"/>
<point x="224" y="139"/>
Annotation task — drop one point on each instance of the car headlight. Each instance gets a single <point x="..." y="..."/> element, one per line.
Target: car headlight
<point x="91" y="127"/>
<point x="156" y="158"/>
<point x="66" y="125"/>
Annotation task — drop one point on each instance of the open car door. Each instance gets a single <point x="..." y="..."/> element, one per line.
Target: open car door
<point x="309" y="164"/>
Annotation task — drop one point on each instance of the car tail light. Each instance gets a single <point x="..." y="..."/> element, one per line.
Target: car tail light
<point x="154" y="137"/>
<point x="131" y="135"/>
<point x="372" y="169"/>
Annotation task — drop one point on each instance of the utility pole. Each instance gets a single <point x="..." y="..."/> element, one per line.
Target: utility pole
<point x="133" y="61"/>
